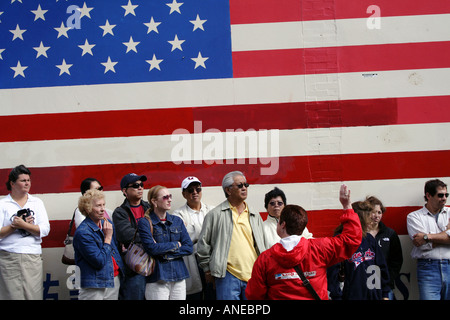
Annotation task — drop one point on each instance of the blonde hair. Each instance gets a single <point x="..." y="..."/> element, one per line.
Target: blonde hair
<point x="153" y="195"/>
<point x="86" y="200"/>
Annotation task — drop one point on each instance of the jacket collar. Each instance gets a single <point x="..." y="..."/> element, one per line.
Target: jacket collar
<point x="224" y="206"/>
<point x="156" y="220"/>
<point x="126" y="204"/>
<point x="92" y="224"/>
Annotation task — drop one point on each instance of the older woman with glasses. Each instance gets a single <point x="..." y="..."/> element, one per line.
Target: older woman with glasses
<point x="87" y="184"/>
<point x="165" y="237"/>
<point x="274" y="202"/>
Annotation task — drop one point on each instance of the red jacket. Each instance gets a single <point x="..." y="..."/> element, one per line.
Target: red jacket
<point x="274" y="278"/>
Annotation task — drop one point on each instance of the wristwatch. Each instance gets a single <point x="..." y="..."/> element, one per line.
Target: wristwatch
<point x="425" y="237"/>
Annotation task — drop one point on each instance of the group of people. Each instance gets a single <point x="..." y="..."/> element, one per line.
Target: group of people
<point x="225" y="252"/>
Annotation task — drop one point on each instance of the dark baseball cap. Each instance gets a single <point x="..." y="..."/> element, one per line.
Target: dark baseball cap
<point x="131" y="178"/>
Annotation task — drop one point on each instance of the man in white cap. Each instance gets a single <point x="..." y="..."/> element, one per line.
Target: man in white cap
<point x="193" y="213"/>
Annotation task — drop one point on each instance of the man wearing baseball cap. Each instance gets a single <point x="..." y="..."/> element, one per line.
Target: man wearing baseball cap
<point x="193" y="213"/>
<point x="125" y="220"/>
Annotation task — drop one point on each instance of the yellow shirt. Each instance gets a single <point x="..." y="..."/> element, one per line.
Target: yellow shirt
<point x="242" y="254"/>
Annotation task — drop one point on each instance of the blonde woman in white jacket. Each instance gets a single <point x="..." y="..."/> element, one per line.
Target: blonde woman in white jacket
<point x="193" y="213"/>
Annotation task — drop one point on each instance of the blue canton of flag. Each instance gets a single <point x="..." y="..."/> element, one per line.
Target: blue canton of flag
<point x="61" y="43"/>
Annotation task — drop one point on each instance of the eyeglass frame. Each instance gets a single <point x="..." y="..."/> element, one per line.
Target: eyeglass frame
<point x="136" y="185"/>
<point x="274" y="202"/>
<point x="167" y="197"/>
<point x="192" y="189"/>
<point x="241" y="185"/>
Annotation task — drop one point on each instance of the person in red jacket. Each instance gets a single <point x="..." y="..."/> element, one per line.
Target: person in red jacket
<point x="273" y="275"/>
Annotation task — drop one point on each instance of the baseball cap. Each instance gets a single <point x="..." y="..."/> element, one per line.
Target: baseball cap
<point x="186" y="182"/>
<point x="131" y="178"/>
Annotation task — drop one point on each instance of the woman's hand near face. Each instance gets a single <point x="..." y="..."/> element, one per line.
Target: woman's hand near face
<point x="107" y="231"/>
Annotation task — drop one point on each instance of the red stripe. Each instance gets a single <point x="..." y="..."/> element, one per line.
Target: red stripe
<point x="79" y="125"/>
<point x="414" y="110"/>
<point x="323" y="222"/>
<point x="323" y="168"/>
<point x="320" y="222"/>
<point x="341" y="59"/>
<point x="57" y="235"/>
<point x="257" y="11"/>
<point x="296" y="115"/>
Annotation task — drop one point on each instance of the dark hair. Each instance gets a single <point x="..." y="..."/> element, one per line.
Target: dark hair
<point x="363" y="209"/>
<point x="295" y="217"/>
<point x="274" y="194"/>
<point x="431" y="186"/>
<point x="86" y="184"/>
<point x="15" y="173"/>
<point x="375" y="201"/>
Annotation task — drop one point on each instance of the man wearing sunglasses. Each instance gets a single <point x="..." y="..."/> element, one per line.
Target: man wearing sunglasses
<point x="429" y="230"/>
<point x="231" y="239"/>
<point x="125" y="220"/>
<point x="193" y="213"/>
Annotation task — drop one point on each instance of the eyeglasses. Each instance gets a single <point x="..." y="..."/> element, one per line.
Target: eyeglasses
<point x="192" y="189"/>
<point x="274" y="203"/>
<point x="241" y="185"/>
<point x="136" y="185"/>
<point x="167" y="197"/>
<point x="441" y="195"/>
<point x="100" y="188"/>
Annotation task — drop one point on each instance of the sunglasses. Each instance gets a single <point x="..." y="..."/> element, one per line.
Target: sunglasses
<point x="136" y="185"/>
<point x="192" y="189"/>
<point x="274" y="203"/>
<point x="100" y="188"/>
<point x="241" y="185"/>
<point x="167" y="197"/>
<point x="441" y="195"/>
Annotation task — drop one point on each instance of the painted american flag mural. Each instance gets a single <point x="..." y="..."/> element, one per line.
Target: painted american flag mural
<point x="352" y="91"/>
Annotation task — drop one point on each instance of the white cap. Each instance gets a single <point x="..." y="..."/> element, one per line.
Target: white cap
<point x="186" y="182"/>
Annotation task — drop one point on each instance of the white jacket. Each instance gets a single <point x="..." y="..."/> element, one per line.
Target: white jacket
<point x="193" y="220"/>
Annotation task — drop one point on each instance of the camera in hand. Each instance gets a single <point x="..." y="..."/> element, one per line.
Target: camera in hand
<point x="24" y="214"/>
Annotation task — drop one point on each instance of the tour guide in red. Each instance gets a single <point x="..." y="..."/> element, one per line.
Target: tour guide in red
<point x="273" y="276"/>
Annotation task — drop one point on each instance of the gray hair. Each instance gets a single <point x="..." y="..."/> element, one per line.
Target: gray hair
<point x="228" y="180"/>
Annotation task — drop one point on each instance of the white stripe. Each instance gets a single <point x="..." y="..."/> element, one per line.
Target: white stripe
<point x="218" y="92"/>
<point x="311" y="196"/>
<point x="299" y="142"/>
<point x="342" y="32"/>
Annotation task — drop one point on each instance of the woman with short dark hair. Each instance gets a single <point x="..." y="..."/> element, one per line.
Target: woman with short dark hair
<point x="275" y="202"/>
<point x="23" y="224"/>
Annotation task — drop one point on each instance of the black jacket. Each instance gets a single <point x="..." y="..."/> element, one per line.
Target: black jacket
<point x="125" y="223"/>
<point x="391" y="247"/>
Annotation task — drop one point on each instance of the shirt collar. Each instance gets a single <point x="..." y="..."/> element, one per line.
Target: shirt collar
<point x="426" y="211"/>
<point x="234" y="208"/>
<point x="189" y="209"/>
<point x="30" y="198"/>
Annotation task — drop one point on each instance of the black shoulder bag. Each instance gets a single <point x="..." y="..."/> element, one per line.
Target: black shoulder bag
<point x="306" y="283"/>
